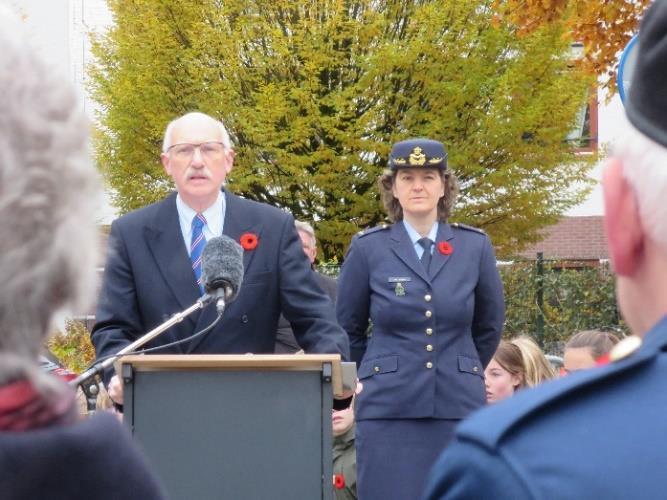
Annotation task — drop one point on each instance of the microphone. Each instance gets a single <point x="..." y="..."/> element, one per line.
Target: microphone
<point x="222" y="269"/>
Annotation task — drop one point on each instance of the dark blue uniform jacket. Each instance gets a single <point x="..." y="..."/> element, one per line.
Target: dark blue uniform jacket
<point x="432" y="333"/>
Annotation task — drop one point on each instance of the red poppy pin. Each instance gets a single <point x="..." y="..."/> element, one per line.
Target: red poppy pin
<point x="445" y="248"/>
<point x="339" y="481"/>
<point x="249" y="241"/>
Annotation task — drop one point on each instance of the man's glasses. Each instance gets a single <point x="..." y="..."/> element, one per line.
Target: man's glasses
<point x="209" y="150"/>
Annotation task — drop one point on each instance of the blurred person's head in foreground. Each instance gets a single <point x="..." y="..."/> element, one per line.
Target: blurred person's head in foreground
<point x="49" y="192"/>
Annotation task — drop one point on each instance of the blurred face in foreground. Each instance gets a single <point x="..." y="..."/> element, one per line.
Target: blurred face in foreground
<point x="499" y="383"/>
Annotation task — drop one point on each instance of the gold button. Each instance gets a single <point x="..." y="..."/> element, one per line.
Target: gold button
<point x="427" y="298"/>
<point x="429" y="331"/>
<point x="475" y="369"/>
<point x="429" y="365"/>
<point x="376" y="369"/>
<point x="429" y="314"/>
<point x="429" y="347"/>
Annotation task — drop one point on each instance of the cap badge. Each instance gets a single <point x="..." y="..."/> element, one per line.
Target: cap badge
<point x="417" y="159"/>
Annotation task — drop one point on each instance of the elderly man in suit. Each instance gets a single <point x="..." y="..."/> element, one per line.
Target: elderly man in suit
<point x="597" y="433"/>
<point x="149" y="274"/>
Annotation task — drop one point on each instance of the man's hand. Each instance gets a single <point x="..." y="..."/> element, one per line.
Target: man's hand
<point x="115" y="390"/>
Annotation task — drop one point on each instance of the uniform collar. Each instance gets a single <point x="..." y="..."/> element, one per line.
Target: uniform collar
<point x="415" y="236"/>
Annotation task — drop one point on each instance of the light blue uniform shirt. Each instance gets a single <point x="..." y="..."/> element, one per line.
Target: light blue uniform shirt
<point x="415" y="237"/>
<point x="214" y="215"/>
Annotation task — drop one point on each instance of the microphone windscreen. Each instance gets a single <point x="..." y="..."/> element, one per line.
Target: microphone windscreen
<point x="222" y="265"/>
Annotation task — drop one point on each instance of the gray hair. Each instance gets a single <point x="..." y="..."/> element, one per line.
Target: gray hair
<point x="166" y="141"/>
<point x="304" y="227"/>
<point x="645" y="169"/>
<point x="49" y="191"/>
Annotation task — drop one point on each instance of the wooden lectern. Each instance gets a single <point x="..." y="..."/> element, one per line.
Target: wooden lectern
<point x="235" y="426"/>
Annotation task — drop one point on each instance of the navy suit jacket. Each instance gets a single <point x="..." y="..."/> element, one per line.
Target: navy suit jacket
<point x="432" y="334"/>
<point x="598" y="433"/>
<point x="148" y="277"/>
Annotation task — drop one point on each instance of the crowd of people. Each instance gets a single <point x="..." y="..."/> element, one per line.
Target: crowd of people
<point x="418" y="306"/>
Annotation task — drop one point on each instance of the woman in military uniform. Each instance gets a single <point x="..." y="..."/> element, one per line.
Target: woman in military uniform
<point x="434" y="299"/>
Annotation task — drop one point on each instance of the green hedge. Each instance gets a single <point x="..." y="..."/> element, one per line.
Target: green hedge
<point x="575" y="297"/>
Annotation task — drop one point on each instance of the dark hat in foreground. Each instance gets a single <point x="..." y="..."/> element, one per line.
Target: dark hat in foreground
<point x="418" y="153"/>
<point x="647" y="100"/>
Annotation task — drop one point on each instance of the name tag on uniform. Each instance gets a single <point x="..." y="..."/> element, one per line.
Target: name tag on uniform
<point x="399" y="290"/>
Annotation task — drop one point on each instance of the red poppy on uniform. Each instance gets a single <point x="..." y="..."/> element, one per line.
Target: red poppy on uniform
<point x="249" y="241"/>
<point x="445" y="248"/>
<point x="339" y="481"/>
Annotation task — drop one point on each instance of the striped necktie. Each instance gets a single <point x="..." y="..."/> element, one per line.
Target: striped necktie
<point x="426" y="243"/>
<point x="197" y="244"/>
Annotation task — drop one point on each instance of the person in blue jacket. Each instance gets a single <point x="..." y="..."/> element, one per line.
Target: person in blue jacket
<point x="598" y="433"/>
<point x="434" y="299"/>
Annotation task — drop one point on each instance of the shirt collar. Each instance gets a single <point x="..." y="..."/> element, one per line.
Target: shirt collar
<point x="214" y="215"/>
<point x="415" y="236"/>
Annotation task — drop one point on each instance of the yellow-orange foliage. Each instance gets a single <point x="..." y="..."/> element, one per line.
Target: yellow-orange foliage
<point x="603" y="26"/>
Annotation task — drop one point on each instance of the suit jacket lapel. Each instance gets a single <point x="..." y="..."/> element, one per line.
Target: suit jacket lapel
<point x="237" y="223"/>
<point x="165" y="240"/>
<point x="445" y="233"/>
<point x="404" y="250"/>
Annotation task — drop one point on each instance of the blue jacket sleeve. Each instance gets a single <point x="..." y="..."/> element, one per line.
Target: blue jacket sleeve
<point x="489" y="318"/>
<point x="352" y="307"/>
<point x="117" y="319"/>
<point x="307" y="307"/>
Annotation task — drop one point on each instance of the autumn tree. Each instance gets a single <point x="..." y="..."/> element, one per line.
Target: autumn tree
<point x="604" y="27"/>
<point x="314" y="94"/>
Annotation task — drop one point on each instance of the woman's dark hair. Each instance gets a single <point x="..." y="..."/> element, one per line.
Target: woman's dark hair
<point x="393" y="207"/>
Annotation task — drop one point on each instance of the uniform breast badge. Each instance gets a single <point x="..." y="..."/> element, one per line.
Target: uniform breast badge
<point x="399" y="290"/>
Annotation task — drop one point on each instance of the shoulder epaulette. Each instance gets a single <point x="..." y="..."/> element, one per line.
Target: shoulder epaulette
<point x="372" y="230"/>
<point x="467" y="227"/>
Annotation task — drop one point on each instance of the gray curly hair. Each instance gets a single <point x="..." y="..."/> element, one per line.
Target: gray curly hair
<point x="49" y="192"/>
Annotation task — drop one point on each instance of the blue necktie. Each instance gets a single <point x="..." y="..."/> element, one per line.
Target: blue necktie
<point x="426" y="243"/>
<point x="197" y="244"/>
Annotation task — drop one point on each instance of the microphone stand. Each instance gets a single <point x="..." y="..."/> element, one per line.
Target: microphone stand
<point x="217" y="295"/>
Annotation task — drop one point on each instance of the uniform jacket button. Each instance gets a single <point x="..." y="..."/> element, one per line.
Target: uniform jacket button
<point x="429" y="348"/>
<point x="428" y="314"/>
<point x="427" y="297"/>
<point x="429" y="331"/>
<point x="429" y="365"/>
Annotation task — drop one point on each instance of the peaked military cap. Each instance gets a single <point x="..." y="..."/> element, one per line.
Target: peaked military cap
<point x="647" y="99"/>
<point x="418" y="153"/>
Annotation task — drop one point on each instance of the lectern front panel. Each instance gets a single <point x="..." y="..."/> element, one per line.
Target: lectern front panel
<point x="235" y="434"/>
